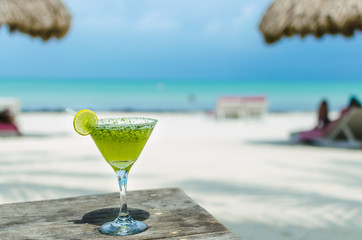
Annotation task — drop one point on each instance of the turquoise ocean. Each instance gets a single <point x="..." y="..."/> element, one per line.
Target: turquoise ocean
<point x="55" y="94"/>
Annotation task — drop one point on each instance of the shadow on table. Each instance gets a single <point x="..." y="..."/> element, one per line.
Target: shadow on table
<point x="100" y="216"/>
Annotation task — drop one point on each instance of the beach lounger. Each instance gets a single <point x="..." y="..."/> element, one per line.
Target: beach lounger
<point x="241" y="107"/>
<point x="345" y="132"/>
<point x="9" y="129"/>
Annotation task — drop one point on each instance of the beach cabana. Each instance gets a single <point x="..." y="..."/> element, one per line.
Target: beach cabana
<point x="12" y="104"/>
<point x="241" y="107"/>
<point x="286" y="18"/>
<point x="38" y="18"/>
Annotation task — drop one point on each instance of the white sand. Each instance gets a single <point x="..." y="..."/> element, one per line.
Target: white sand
<point x="244" y="172"/>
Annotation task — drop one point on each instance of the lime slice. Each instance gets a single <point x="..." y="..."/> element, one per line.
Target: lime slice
<point x="83" y="120"/>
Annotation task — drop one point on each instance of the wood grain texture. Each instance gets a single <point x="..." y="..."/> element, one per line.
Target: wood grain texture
<point x="169" y="214"/>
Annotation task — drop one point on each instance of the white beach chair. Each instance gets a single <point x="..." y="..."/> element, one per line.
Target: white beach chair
<point x="347" y="131"/>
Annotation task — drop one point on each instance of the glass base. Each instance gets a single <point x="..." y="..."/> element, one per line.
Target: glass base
<point x="123" y="227"/>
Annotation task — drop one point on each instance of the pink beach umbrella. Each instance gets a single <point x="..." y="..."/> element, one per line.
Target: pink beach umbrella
<point x="286" y="18"/>
<point x="37" y="18"/>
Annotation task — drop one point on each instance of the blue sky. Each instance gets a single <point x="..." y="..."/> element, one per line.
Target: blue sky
<point x="179" y="39"/>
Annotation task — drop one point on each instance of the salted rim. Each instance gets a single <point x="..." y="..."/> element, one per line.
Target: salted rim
<point x="125" y="122"/>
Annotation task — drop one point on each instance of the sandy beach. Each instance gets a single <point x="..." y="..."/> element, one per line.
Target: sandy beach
<point x="244" y="172"/>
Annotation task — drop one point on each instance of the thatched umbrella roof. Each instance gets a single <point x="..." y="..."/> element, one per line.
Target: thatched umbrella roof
<point x="38" y="18"/>
<point x="317" y="17"/>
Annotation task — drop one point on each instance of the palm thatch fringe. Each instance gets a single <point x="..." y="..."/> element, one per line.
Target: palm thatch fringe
<point x="38" y="18"/>
<point x="316" y="17"/>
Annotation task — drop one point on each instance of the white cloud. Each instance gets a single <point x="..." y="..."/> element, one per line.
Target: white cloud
<point x="236" y="23"/>
<point x="155" y="21"/>
<point x="245" y="14"/>
<point x="213" y="27"/>
<point x="97" y="15"/>
<point x="202" y="18"/>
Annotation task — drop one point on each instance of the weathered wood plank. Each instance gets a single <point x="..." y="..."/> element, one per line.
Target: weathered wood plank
<point x="169" y="213"/>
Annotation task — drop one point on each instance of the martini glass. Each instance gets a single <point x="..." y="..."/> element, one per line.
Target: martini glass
<point x="121" y="140"/>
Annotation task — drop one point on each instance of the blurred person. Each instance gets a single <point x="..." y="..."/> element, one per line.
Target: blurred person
<point x="323" y="119"/>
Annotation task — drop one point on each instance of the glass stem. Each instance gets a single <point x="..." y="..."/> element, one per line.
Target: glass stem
<point x="122" y="176"/>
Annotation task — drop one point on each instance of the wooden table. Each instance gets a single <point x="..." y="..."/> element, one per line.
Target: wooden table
<point x="169" y="214"/>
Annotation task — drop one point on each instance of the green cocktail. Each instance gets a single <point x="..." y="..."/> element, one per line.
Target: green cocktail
<point x="121" y="141"/>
